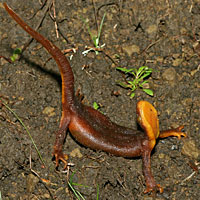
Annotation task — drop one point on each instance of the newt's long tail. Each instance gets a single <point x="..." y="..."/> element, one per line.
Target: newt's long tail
<point x="62" y="62"/>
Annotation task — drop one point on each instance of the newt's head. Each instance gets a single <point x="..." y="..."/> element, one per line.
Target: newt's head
<point x="147" y="117"/>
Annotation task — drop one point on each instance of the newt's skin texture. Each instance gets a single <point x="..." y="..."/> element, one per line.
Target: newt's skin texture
<point x="94" y="130"/>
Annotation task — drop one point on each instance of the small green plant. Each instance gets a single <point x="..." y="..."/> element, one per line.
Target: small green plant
<point x="97" y="192"/>
<point x="71" y="184"/>
<point x="94" y="38"/>
<point x="139" y="75"/>
<point x="78" y="195"/>
<point x="16" y="54"/>
<point x="96" y="105"/>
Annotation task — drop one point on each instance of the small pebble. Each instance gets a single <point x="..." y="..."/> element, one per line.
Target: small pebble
<point x="190" y="149"/>
<point x="31" y="182"/>
<point x="169" y="74"/>
<point x="131" y="49"/>
<point x="76" y="153"/>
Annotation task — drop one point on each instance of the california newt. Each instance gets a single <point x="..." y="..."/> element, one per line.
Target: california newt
<point x="93" y="129"/>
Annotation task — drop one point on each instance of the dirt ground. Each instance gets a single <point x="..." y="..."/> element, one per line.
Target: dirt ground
<point x="163" y="35"/>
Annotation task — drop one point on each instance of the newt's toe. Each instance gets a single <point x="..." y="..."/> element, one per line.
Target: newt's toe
<point x="59" y="156"/>
<point x="154" y="189"/>
<point x="178" y="133"/>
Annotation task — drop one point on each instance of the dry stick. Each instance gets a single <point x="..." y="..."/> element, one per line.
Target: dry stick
<point x="196" y="169"/>
<point x="54" y="15"/>
<point x="7" y="59"/>
<point x="150" y="45"/>
<point x="104" y="52"/>
<point x="58" y="28"/>
<point x="57" y="25"/>
<point x="43" y="181"/>
<point x="41" y="7"/>
<point x="65" y="38"/>
<point x="112" y="60"/>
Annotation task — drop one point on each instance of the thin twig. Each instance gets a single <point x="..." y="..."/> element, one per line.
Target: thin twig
<point x="43" y="181"/>
<point x="7" y="59"/>
<point x="55" y="22"/>
<point x="41" y="7"/>
<point x="102" y="51"/>
<point x="150" y="45"/>
<point x="187" y="178"/>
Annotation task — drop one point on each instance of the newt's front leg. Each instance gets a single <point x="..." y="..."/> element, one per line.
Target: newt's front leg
<point x="173" y="132"/>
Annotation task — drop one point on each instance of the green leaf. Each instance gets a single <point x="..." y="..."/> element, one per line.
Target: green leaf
<point x="124" y="69"/>
<point x="145" y="75"/>
<point x="117" y="56"/>
<point x="121" y="69"/>
<point x="16" y="54"/>
<point x="100" y="28"/>
<point x="133" y="73"/>
<point x="141" y="84"/>
<point x="123" y="85"/>
<point x="136" y="82"/>
<point x="148" y="91"/>
<point x="141" y="69"/>
<point x="97" y="192"/>
<point x="95" y="105"/>
<point x="17" y="51"/>
<point x="132" y="85"/>
<point x="132" y="95"/>
<point x="131" y="82"/>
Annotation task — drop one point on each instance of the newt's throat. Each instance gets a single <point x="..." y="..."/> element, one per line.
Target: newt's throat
<point x="147" y="117"/>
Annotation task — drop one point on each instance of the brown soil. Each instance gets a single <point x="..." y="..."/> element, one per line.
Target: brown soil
<point x="163" y="35"/>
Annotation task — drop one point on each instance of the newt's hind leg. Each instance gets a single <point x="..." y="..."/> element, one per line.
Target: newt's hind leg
<point x="173" y="132"/>
<point x="60" y="137"/>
